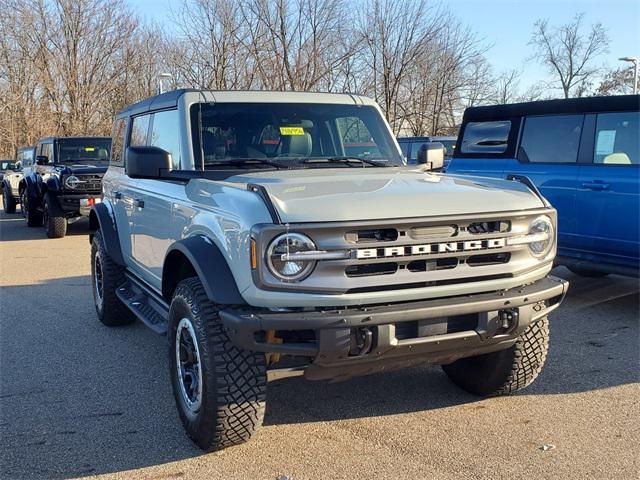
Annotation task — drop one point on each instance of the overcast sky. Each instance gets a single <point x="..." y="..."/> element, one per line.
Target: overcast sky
<point x="506" y="25"/>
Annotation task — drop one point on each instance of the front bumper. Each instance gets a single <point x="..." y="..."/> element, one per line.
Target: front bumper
<point x="81" y="204"/>
<point x="436" y="341"/>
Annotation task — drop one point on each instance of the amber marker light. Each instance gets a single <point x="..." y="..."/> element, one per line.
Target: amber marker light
<point x="254" y="257"/>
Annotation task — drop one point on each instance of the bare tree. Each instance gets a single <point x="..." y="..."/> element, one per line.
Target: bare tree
<point x="395" y="35"/>
<point x="507" y="86"/>
<point x="617" y="81"/>
<point x="569" y="52"/>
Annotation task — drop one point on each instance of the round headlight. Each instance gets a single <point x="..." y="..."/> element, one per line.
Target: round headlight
<point x="290" y="270"/>
<point x="542" y="226"/>
<point x="71" y="181"/>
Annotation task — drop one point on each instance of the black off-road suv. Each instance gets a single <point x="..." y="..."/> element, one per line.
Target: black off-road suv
<point x="64" y="182"/>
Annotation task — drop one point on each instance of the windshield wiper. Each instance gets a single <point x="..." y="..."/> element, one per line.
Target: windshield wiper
<point x="241" y="162"/>
<point x="346" y="159"/>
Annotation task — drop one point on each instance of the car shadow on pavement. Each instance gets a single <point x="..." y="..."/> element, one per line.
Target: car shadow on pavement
<point x="80" y="399"/>
<point x="13" y="228"/>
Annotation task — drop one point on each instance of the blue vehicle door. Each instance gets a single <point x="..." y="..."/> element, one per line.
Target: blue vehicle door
<point x="609" y="190"/>
<point x="548" y="155"/>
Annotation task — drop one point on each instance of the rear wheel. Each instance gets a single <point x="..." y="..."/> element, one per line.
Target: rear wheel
<point x="8" y="202"/>
<point x="34" y="218"/>
<point x="54" y="220"/>
<point x="106" y="277"/>
<point x="506" y="371"/>
<point x="219" y="389"/>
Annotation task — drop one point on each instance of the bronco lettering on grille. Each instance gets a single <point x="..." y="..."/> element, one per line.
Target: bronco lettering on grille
<point x="430" y="248"/>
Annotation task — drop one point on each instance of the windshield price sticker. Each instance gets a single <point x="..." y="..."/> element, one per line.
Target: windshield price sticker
<point x="89" y="149"/>
<point x="291" y="131"/>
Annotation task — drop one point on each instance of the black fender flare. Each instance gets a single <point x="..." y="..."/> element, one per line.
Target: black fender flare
<point x="101" y="218"/>
<point x="210" y="266"/>
<point x="33" y="189"/>
<point x="52" y="184"/>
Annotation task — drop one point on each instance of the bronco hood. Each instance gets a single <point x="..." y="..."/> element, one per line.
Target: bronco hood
<point x="94" y="168"/>
<point x="348" y="194"/>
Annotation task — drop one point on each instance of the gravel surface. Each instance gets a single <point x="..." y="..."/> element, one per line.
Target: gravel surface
<point x="78" y="399"/>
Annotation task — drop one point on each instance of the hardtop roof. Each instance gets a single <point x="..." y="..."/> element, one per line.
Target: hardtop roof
<point x="550" y="107"/>
<point x="170" y="99"/>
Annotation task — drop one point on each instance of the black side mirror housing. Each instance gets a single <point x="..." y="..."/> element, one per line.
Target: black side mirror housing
<point x="147" y="162"/>
<point x="42" y="160"/>
<point x="431" y="154"/>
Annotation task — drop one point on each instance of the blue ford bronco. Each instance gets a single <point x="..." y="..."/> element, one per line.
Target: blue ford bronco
<point x="248" y="228"/>
<point x="583" y="154"/>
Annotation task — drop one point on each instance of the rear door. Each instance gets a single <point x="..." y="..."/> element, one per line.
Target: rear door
<point x="118" y="188"/>
<point x="608" y="199"/>
<point x="548" y="153"/>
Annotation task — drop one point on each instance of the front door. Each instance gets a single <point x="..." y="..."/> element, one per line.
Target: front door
<point x="153" y="225"/>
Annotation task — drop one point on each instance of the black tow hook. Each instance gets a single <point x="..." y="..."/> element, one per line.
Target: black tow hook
<point x="361" y="341"/>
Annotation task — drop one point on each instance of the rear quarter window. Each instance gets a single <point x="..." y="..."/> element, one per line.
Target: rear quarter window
<point x="486" y="137"/>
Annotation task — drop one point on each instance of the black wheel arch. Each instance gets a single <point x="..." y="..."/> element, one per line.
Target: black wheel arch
<point x="198" y="256"/>
<point x="100" y="218"/>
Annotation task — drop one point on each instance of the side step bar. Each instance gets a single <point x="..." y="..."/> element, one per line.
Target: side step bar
<point x="145" y="304"/>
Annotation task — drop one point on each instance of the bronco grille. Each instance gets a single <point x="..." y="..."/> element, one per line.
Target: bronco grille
<point x="414" y="253"/>
<point x="89" y="183"/>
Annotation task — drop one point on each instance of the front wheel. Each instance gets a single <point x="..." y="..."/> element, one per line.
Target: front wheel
<point x="219" y="389"/>
<point x="53" y="219"/>
<point x="8" y="202"/>
<point x="506" y="371"/>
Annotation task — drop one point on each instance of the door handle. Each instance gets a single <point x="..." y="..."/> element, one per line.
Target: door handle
<point x="596" y="185"/>
<point x="117" y="195"/>
<point x="138" y="203"/>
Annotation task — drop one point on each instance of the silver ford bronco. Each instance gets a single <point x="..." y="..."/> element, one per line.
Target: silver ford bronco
<point x="274" y="234"/>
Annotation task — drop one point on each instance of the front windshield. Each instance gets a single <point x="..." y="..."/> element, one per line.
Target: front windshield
<point x="7" y="165"/>
<point x="83" y="149"/>
<point x="292" y="135"/>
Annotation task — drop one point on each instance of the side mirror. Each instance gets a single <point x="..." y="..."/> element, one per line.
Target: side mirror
<point x="432" y="155"/>
<point x="17" y="167"/>
<point x="42" y="160"/>
<point x="147" y="162"/>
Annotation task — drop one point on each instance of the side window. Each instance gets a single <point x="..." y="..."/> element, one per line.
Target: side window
<point x="486" y="137"/>
<point x="46" y="149"/>
<point x="617" y="140"/>
<point x="165" y="134"/>
<point x="551" y="139"/>
<point x="139" y="131"/>
<point x="118" y="142"/>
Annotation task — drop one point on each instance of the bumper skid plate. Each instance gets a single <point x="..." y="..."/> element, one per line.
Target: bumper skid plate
<point x="498" y="319"/>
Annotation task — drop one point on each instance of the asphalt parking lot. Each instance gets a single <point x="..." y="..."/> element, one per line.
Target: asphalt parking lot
<point x="78" y="399"/>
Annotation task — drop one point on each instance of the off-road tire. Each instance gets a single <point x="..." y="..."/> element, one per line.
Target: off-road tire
<point x="8" y="202"/>
<point x="109" y="308"/>
<point x="34" y="218"/>
<point x="506" y="371"/>
<point x="585" y="272"/>
<point x="234" y="381"/>
<point x="53" y="219"/>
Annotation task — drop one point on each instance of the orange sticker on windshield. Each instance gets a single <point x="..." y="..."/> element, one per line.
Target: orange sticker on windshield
<point x="291" y="131"/>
